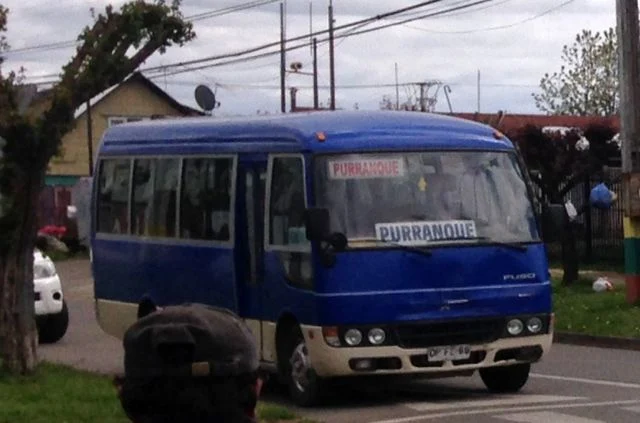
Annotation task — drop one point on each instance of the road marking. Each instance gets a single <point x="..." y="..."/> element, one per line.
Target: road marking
<point x="507" y="410"/>
<point x="546" y="417"/>
<point x="589" y="381"/>
<point x="496" y="402"/>
<point x="635" y="409"/>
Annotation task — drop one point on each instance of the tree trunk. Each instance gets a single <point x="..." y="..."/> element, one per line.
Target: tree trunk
<point x="570" y="258"/>
<point x="18" y="333"/>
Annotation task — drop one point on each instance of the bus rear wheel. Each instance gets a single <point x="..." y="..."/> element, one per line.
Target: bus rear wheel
<point x="305" y="386"/>
<point x="505" y="379"/>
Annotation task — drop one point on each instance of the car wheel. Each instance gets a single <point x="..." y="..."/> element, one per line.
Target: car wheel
<point x="505" y="379"/>
<point x="305" y="386"/>
<point x="53" y="327"/>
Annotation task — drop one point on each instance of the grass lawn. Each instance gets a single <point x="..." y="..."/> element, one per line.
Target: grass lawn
<point x="63" y="395"/>
<point x="579" y="309"/>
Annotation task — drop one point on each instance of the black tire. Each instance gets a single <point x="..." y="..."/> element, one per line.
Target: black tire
<point x="53" y="327"/>
<point x="310" y="390"/>
<point x="505" y="379"/>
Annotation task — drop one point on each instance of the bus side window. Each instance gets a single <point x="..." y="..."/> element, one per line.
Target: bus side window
<point x="286" y="219"/>
<point x="142" y="206"/>
<point x="113" y="196"/>
<point x="205" y="201"/>
<point x="162" y="222"/>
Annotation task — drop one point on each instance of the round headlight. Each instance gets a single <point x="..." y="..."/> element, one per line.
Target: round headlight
<point x="377" y="336"/>
<point x="353" y="337"/>
<point x="515" y="327"/>
<point x="534" y="325"/>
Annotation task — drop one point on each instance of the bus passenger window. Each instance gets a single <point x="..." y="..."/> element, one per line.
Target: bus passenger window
<point x="162" y="221"/>
<point x="205" y="200"/>
<point x="113" y="196"/>
<point x="142" y="206"/>
<point x="287" y="202"/>
<point x="286" y="220"/>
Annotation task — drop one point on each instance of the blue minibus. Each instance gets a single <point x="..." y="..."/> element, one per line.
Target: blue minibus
<point x="352" y="243"/>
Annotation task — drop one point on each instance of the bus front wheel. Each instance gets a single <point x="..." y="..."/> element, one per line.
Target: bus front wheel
<point x="505" y="379"/>
<point x="305" y="386"/>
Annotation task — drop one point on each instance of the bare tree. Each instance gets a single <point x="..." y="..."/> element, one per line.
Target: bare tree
<point x="102" y="60"/>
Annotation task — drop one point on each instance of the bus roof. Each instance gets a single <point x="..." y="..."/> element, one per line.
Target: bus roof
<point x="353" y="130"/>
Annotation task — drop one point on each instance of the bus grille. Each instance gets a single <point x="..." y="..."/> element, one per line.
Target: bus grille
<point x="432" y="334"/>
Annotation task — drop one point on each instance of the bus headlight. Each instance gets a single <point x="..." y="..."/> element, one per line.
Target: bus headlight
<point x="534" y="325"/>
<point x="353" y="337"/>
<point x="515" y="327"/>
<point x="376" y="336"/>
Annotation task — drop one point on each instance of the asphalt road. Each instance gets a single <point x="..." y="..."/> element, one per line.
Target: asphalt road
<point x="572" y="385"/>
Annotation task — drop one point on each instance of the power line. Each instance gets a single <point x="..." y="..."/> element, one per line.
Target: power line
<point x="298" y="46"/>
<point x="192" y="18"/>
<point x="302" y="37"/>
<point x="351" y="86"/>
<point x="493" y="28"/>
<point x="351" y="27"/>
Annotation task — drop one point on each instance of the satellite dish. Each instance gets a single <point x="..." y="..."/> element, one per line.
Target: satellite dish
<point x="205" y="98"/>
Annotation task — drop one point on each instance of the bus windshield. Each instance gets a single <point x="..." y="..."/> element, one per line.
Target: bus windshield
<point x="426" y="198"/>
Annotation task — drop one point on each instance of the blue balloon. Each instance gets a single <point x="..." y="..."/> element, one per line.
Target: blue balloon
<point x="601" y="197"/>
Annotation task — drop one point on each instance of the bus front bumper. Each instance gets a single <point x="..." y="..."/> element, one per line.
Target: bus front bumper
<point x="328" y="361"/>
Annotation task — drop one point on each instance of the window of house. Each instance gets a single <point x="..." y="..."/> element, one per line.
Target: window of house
<point x="205" y="200"/>
<point x="113" y="196"/>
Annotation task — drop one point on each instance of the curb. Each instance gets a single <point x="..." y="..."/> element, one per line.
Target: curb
<point x="584" y="340"/>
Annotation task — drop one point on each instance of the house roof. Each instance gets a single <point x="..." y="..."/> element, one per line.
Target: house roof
<point x="34" y="97"/>
<point x="510" y="122"/>
<point x="138" y="77"/>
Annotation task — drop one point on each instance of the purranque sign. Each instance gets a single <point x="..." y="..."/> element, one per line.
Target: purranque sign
<point x="423" y="233"/>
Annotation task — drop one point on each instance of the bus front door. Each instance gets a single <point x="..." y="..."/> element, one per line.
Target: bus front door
<point x="251" y="184"/>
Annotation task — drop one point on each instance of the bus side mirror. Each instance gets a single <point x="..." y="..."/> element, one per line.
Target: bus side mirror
<point x="317" y="224"/>
<point x="554" y="218"/>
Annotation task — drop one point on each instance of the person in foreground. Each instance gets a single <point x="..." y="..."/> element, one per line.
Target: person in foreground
<point x="189" y="363"/>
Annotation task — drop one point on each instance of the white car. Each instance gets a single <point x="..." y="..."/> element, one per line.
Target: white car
<point x="52" y="315"/>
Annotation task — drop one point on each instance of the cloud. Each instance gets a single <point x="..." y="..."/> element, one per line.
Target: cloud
<point x="511" y="49"/>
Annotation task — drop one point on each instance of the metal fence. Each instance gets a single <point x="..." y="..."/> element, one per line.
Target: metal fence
<point x="600" y="232"/>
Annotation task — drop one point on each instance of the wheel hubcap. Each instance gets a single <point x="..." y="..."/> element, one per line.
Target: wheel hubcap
<point x="300" y="367"/>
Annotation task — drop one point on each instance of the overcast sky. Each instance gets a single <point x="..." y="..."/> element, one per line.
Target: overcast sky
<point x="512" y="42"/>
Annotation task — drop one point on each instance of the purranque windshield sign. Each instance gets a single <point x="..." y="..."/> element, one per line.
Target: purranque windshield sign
<point x="423" y="233"/>
<point x="366" y="168"/>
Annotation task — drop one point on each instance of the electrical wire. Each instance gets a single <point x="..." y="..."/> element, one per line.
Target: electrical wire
<point x="494" y="28"/>
<point x="352" y="27"/>
<point x="192" y="18"/>
<point x="297" y="46"/>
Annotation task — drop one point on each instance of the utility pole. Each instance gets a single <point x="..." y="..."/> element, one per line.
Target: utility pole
<point x="283" y="100"/>
<point x="315" y="73"/>
<point x="332" y="75"/>
<point x="628" y="32"/>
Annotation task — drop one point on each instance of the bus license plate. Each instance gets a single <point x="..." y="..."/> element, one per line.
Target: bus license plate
<point x="451" y="352"/>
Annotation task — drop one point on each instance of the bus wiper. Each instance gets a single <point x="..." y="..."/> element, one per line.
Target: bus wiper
<point x="512" y="245"/>
<point x="418" y="250"/>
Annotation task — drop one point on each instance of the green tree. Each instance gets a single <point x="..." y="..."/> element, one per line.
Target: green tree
<point x="562" y="161"/>
<point x="587" y="83"/>
<point x="110" y="49"/>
